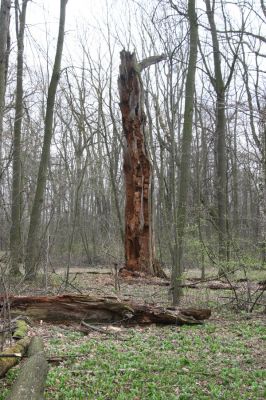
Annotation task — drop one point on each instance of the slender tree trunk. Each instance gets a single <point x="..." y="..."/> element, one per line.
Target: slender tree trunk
<point x="201" y="190"/>
<point x="262" y="203"/>
<point x="4" y="51"/>
<point x="221" y="159"/>
<point x="32" y="242"/>
<point x="235" y="184"/>
<point x="186" y="150"/>
<point x="4" y="27"/>
<point x="15" y="238"/>
<point x="221" y="176"/>
<point x="112" y="169"/>
<point x="137" y="166"/>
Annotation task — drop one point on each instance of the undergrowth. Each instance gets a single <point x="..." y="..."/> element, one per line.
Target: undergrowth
<point x="222" y="359"/>
<point x="218" y="360"/>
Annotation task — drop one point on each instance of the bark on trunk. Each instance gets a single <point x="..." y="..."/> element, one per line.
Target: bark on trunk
<point x="32" y="247"/>
<point x="177" y="270"/>
<point x="137" y="166"/>
<point x="15" y="234"/>
<point x="101" y="309"/>
<point x="221" y="157"/>
<point x="4" y="26"/>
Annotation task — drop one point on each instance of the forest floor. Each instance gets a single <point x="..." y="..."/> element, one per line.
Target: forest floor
<point x="224" y="358"/>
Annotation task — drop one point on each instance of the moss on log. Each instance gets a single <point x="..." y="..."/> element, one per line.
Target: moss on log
<point x="8" y="362"/>
<point x="21" y="329"/>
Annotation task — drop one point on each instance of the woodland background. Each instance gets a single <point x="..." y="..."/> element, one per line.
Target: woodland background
<point x="82" y="218"/>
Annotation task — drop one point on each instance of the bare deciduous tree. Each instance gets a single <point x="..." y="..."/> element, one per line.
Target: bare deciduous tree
<point x="15" y="232"/>
<point x="32" y="242"/>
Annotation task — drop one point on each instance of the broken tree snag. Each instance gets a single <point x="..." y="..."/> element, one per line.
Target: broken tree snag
<point x="20" y="349"/>
<point x="139" y="248"/>
<point x="76" y="308"/>
<point x="31" y="380"/>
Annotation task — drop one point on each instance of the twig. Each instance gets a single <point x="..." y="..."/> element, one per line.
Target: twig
<point x="232" y="287"/>
<point x="95" y="328"/>
<point x="7" y="355"/>
<point x="243" y="301"/>
<point x="106" y="332"/>
<point x="64" y="282"/>
<point x="257" y="299"/>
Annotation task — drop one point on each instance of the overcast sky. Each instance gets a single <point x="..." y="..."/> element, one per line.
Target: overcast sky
<point x="81" y="16"/>
<point x="90" y="16"/>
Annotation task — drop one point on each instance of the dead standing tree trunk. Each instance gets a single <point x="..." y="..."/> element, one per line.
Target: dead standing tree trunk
<point x="139" y="252"/>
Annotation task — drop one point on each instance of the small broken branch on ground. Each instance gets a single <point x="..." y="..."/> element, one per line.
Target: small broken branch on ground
<point x="102" y="309"/>
<point x="93" y="328"/>
<point x="7" y="355"/>
<point x="90" y="327"/>
<point x="215" y="285"/>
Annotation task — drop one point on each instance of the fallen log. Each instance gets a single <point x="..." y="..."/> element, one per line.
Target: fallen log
<point x="211" y="286"/>
<point x="198" y="284"/>
<point x="36" y="346"/>
<point x="31" y="380"/>
<point x="8" y="362"/>
<point x="101" y="309"/>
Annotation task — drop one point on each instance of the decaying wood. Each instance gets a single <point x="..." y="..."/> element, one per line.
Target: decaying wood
<point x="8" y="362"/>
<point x="31" y="380"/>
<point x="139" y="246"/>
<point x="101" y="309"/>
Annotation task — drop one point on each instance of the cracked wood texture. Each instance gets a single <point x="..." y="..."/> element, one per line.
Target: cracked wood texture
<point x="137" y="169"/>
<point x="75" y="308"/>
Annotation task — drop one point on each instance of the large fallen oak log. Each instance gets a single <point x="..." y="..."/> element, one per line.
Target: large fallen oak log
<point x="101" y="309"/>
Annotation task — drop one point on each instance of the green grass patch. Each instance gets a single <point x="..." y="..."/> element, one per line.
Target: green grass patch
<point x="195" y="362"/>
<point x="218" y="360"/>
